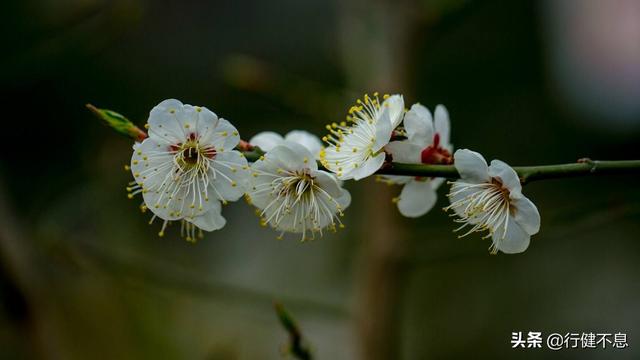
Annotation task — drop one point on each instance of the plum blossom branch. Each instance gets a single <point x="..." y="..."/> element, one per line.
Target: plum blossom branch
<point x="527" y="174"/>
<point x="189" y="163"/>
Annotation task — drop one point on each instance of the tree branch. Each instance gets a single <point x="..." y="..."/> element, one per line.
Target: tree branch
<point x="584" y="167"/>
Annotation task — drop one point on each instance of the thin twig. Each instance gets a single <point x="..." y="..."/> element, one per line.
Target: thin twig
<point x="297" y="346"/>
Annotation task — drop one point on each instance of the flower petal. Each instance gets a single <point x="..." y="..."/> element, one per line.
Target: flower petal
<point x="306" y="139"/>
<point x="527" y="215"/>
<point x="516" y="240"/>
<point x="166" y="122"/>
<point x="328" y="182"/>
<point x="211" y="220"/>
<point x="404" y="152"/>
<point x="436" y="182"/>
<point x="368" y="168"/>
<point x="228" y="176"/>
<point x="419" y="125"/>
<point x="506" y="175"/>
<point x="442" y="124"/>
<point x="383" y="131"/>
<point x="151" y="162"/>
<point x="395" y="104"/>
<point x="292" y="157"/>
<point x="206" y="121"/>
<point x="224" y="137"/>
<point x="416" y="199"/>
<point x="471" y="166"/>
<point x="266" y="140"/>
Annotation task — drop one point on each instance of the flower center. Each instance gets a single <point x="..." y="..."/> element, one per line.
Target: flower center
<point x="435" y="154"/>
<point x="482" y="207"/>
<point x="192" y="154"/>
<point x="299" y="204"/>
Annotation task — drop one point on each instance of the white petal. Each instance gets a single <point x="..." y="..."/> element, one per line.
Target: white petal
<point x="211" y="220"/>
<point x="206" y="121"/>
<point x="442" y="125"/>
<point x="229" y="176"/>
<point x="506" y="175"/>
<point x="266" y="140"/>
<point x="306" y="139"/>
<point x="151" y="162"/>
<point x="367" y="169"/>
<point x="416" y="199"/>
<point x="471" y="166"/>
<point x="419" y="125"/>
<point x="166" y="122"/>
<point x="291" y="156"/>
<point x="395" y="104"/>
<point x="516" y="240"/>
<point x="404" y="152"/>
<point x="224" y="136"/>
<point x="344" y="199"/>
<point x="436" y="182"/>
<point x="396" y="179"/>
<point x="328" y="182"/>
<point x="383" y="131"/>
<point x="527" y="215"/>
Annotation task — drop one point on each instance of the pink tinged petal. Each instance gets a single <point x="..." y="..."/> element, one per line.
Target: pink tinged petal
<point x="442" y="125"/>
<point x="506" y="175"/>
<point x="419" y="125"/>
<point x="526" y="215"/>
<point x="395" y="104"/>
<point x="266" y="140"/>
<point x="211" y="220"/>
<point x="164" y="122"/>
<point x="471" y="166"/>
<point x="306" y="139"/>
<point x="367" y="169"/>
<point x="404" y="152"/>
<point x="416" y="199"/>
<point x="515" y="241"/>
<point x="383" y="131"/>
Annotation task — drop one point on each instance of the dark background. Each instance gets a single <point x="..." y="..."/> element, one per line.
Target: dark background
<point x="83" y="275"/>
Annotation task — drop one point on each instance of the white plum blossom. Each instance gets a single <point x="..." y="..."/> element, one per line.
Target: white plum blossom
<point x="489" y="198"/>
<point x="292" y="195"/>
<point x="267" y="140"/>
<point x="355" y="150"/>
<point x="427" y="143"/>
<point x="187" y="167"/>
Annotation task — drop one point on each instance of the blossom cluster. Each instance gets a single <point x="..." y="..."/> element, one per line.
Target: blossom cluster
<point x="193" y="162"/>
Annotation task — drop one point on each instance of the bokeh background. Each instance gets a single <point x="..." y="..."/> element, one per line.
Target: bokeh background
<point x="530" y="82"/>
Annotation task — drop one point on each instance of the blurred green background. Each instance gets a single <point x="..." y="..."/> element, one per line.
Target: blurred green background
<point x="84" y="277"/>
